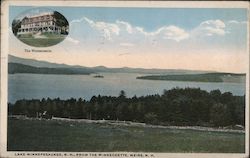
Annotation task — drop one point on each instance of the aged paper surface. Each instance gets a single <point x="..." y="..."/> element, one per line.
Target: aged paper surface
<point x="124" y="79"/>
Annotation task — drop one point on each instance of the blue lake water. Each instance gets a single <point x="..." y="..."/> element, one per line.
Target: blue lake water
<point x="38" y="86"/>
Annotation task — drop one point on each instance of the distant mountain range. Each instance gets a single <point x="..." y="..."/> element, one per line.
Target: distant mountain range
<point x="21" y="65"/>
<point x="21" y="68"/>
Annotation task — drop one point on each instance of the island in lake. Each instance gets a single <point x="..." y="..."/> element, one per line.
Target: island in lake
<point x="206" y="77"/>
<point x="21" y="65"/>
<point x="98" y="76"/>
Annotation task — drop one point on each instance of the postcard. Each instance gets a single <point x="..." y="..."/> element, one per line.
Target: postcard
<point x="114" y="79"/>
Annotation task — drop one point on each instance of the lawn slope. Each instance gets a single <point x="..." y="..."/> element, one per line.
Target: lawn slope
<point x="53" y="135"/>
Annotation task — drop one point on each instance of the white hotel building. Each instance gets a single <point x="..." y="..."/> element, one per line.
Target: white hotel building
<point x="40" y="23"/>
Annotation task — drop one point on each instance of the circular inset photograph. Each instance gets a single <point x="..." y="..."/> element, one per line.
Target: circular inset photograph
<point x="40" y="27"/>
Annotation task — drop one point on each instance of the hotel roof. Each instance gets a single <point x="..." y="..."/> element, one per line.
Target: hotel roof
<point x="42" y="14"/>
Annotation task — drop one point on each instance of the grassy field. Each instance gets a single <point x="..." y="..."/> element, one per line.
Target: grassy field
<point x="42" y="42"/>
<point x="51" y="135"/>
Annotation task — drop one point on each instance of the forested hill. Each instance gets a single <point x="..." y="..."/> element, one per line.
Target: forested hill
<point x="189" y="106"/>
<point x="20" y="68"/>
<point x="206" y="77"/>
<point x="98" y="69"/>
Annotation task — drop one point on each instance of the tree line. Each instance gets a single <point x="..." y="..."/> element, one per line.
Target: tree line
<point x="206" y="77"/>
<point x="189" y="106"/>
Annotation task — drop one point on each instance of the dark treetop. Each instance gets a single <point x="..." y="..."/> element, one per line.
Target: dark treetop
<point x="189" y="106"/>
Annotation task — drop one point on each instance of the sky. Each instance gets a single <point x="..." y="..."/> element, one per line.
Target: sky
<point x="167" y="38"/>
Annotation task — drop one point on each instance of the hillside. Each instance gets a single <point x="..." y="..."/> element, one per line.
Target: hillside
<point x="206" y="77"/>
<point x="20" y="68"/>
<point x="98" y="69"/>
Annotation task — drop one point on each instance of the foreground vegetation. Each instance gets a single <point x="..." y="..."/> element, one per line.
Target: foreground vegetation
<point x="189" y="106"/>
<point x="207" y="77"/>
<point x="51" y="135"/>
<point x="42" y="42"/>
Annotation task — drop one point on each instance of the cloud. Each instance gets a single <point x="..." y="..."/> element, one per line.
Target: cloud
<point x="236" y="22"/>
<point x="121" y="33"/>
<point x="108" y="29"/>
<point x="210" y="28"/>
<point x="122" y="54"/>
<point x="233" y="22"/>
<point x="126" y="25"/>
<point x="175" y="33"/>
<point x="72" y="40"/>
<point x="76" y="21"/>
<point x="112" y="30"/>
<point x="167" y="32"/>
<point x="127" y="44"/>
<point x="213" y="23"/>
